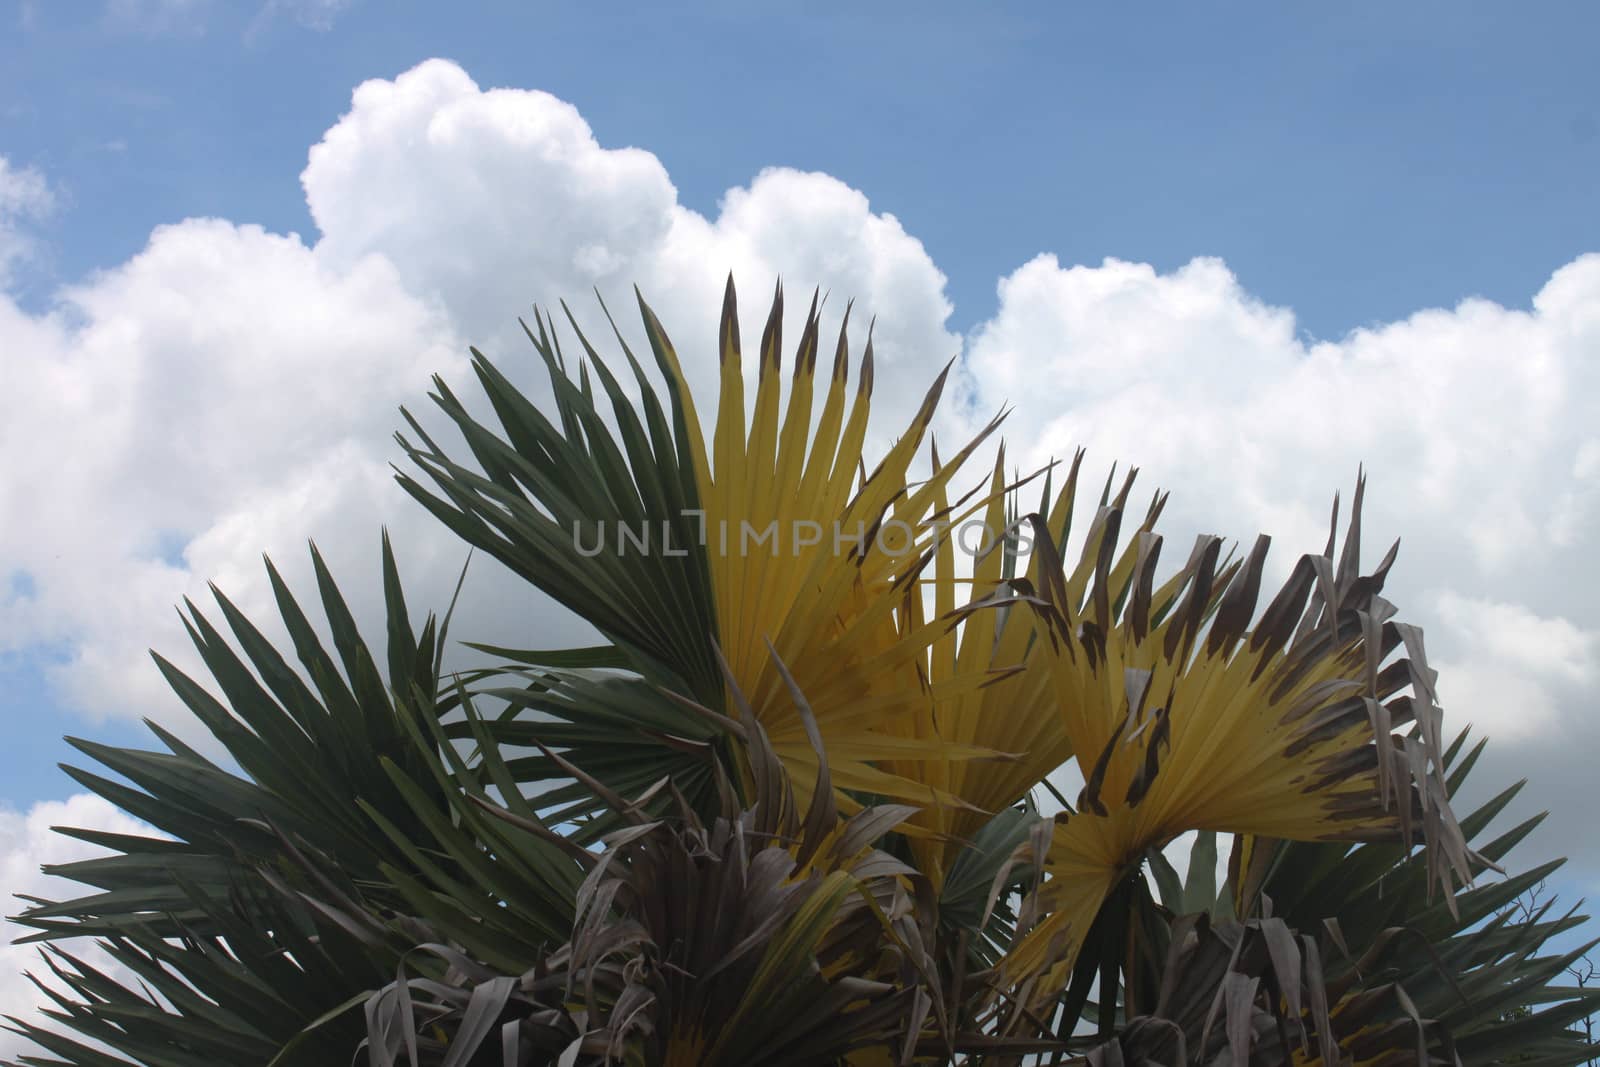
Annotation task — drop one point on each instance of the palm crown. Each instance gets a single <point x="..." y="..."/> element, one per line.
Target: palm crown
<point x="784" y="813"/>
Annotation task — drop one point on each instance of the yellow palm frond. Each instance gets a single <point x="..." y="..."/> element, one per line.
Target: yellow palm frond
<point x="979" y="681"/>
<point x="1015" y="710"/>
<point x="809" y="552"/>
<point x="1185" y="717"/>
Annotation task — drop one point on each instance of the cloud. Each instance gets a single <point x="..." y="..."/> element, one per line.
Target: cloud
<point x="1476" y="423"/>
<point x="1553" y="648"/>
<point x="196" y="398"/>
<point x="1511" y="671"/>
<point x="316" y="15"/>
<point x="24" y="197"/>
<point x="27" y="843"/>
<point x="157" y="18"/>
<point x="1468" y="416"/>
<point x="167" y="18"/>
<point x="493" y="199"/>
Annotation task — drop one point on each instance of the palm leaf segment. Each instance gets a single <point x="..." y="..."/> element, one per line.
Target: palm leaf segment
<point x="1187" y="717"/>
<point x="773" y="534"/>
<point x="1011" y="709"/>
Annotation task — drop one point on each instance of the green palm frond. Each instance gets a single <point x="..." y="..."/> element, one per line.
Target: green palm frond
<point x="622" y="730"/>
<point x="989" y="869"/>
<point x="545" y="490"/>
<point x="1470" y="980"/>
<point x="337" y="757"/>
<point x="1484" y="971"/>
<point x="237" y="994"/>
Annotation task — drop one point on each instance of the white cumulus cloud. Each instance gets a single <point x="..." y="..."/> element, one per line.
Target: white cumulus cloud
<point x="223" y="393"/>
<point x="1512" y="671"/>
<point x="24" y="197"/>
<point x="1469" y="417"/>
<point x="488" y="200"/>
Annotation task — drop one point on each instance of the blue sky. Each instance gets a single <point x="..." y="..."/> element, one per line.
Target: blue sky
<point x="1355" y="163"/>
<point x="1262" y="177"/>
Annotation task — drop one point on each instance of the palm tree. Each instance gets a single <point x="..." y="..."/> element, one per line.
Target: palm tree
<point x="785" y="812"/>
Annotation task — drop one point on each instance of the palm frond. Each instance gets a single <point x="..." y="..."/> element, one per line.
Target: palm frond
<point x="337" y="759"/>
<point x="1187" y="717"/>
<point x="1479" y="968"/>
